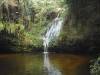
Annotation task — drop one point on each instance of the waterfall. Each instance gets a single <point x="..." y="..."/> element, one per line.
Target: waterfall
<point x="52" y="34"/>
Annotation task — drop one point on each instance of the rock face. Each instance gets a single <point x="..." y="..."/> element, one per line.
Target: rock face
<point x="51" y="15"/>
<point x="82" y="25"/>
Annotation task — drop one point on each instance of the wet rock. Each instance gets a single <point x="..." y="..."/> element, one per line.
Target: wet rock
<point x="51" y="15"/>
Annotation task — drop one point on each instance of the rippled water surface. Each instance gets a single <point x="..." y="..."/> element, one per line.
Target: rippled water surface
<point x="33" y="64"/>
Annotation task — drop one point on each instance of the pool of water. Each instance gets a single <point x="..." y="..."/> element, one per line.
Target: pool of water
<point x="33" y="64"/>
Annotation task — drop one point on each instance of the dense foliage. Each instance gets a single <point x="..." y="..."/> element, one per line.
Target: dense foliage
<point x="95" y="67"/>
<point x="84" y="26"/>
<point x="24" y="22"/>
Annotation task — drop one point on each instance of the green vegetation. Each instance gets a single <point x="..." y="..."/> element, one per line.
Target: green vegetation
<point x="23" y="22"/>
<point x="95" y="67"/>
<point x="28" y="21"/>
<point x="84" y="29"/>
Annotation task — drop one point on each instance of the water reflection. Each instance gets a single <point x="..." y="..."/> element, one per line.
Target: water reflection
<point x="49" y="68"/>
<point x="32" y="64"/>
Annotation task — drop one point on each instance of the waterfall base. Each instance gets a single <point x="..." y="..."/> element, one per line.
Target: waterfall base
<point x="45" y="52"/>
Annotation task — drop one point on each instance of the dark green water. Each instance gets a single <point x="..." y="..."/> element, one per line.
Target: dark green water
<point x="32" y="64"/>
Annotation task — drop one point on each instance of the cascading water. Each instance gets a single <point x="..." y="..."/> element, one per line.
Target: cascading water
<point x="52" y="34"/>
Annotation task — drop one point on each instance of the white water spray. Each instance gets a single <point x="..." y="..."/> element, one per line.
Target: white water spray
<point x="52" y="34"/>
